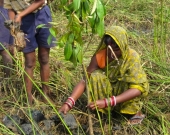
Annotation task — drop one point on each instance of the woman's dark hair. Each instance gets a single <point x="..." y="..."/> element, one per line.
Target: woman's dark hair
<point x="108" y="40"/>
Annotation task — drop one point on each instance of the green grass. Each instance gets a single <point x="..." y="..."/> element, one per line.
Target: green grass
<point x="147" y="23"/>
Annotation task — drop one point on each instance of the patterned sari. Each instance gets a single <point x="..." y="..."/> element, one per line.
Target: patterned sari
<point x="118" y="76"/>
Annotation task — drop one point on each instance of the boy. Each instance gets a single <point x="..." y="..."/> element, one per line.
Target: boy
<point x="5" y="40"/>
<point x="30" y="14"/>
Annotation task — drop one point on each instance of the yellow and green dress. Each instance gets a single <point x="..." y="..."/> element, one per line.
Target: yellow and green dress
<point x="116" y="77"/>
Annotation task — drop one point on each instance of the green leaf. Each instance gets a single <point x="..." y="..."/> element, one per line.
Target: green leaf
<point x="68" y="51"/>
<point x="94" y="21"/>
<point x="63" y="2"/>
<point x="86" y="5"/>
<point x="71" y="38"/>
<point x="60" y="44"/>
<point x="78" y="38"/>
<point x="94" y="7"/>
<point x="100" y="9"/>
<point x="73" y="58"/>
<point x="41" y="26"/>
<point x="76" y="4"/>
<point x="76" y="19"/>
<point x="49" y="40"/>
<point x="53" y="31"/>
<point x="71" y="8"/>
<point x="80" y="54"/>
<point x="100" y="27"/>
<point x="54" y="23"/>
<point x="85" y="9"/>
<point x="62" y="41"/>
<point x="91" y="20"/>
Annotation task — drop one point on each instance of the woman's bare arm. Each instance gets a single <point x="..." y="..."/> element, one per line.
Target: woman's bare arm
<point x="128" y="95"/>
<point x="125" y="96"/>
<point x="80" y="87"/>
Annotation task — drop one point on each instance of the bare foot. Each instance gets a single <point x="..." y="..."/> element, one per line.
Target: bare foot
<point x="136" y="119"/>
<point x="30" y="99"/>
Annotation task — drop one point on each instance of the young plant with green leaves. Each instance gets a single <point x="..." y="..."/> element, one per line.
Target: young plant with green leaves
<point x="81" y="15"/>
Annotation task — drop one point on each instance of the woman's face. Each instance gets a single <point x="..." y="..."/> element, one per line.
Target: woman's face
<point x="112" y="47"/>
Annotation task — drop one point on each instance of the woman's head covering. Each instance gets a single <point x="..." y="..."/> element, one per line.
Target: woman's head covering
<point x="120" y="37"/>
<point x="129" y="74"/>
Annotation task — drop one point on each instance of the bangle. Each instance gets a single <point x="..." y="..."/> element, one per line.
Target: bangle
<point x="69" y="104"/>
<point x="113" y="101"/>
<point x="110" y="101"/>
<point x="72" y="100"/>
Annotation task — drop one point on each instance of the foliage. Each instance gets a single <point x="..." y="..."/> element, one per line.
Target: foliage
<point x="81" y="15"/>
<point x="148" y="26"/>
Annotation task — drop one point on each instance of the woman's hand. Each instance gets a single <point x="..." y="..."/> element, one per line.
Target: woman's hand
<point x="64" y="108"/>
<point x="99" y="104"/>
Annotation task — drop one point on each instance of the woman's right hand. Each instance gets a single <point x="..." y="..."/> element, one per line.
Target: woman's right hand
<point x="64" y="108"/>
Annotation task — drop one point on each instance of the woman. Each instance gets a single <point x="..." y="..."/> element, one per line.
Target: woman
<point x="116" y="77"/>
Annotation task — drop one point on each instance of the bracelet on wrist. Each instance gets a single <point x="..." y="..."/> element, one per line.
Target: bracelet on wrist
<point x="69" y="104"/>
<point x="110" y="101"/>
<point x="72" y="100"/>
<point x="113" y="98"/>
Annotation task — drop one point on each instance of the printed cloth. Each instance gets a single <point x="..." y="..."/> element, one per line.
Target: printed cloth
<point x="19" y="5"/>
<point x="114" y="79"/>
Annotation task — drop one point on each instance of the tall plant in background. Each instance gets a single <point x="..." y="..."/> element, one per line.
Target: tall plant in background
<point x="161" y="18"/>
<point x="81" y="15"/>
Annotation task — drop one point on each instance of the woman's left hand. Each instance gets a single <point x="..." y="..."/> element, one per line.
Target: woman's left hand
<point x="99" y="104"/>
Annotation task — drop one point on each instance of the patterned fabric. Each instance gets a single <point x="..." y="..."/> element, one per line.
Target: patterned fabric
<point x="19" y="5"/>
<point x="128" y="74"/>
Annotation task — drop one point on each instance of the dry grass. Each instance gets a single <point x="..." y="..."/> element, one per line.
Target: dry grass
<point x="138" y="18"/>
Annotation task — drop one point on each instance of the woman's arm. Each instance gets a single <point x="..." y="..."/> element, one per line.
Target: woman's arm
<point x="125" y="96"/>
<point x="80" y="87"/>
<point x="128" y="95"/>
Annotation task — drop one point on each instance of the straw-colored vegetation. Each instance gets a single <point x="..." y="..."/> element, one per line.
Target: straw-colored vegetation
<point x="148" y="25"/>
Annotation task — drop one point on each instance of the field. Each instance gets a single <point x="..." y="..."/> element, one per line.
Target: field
<point x="148" y="25"/>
